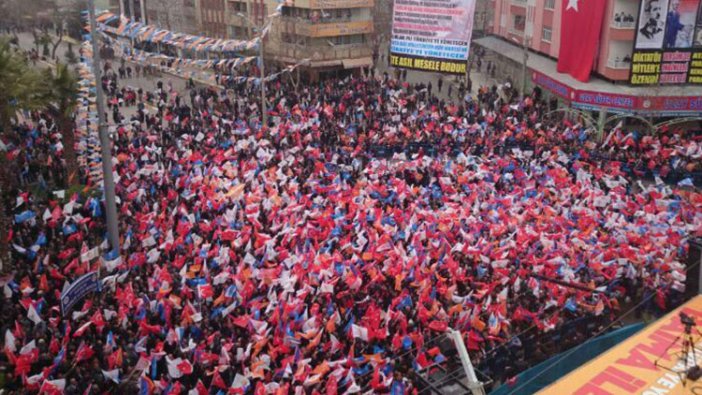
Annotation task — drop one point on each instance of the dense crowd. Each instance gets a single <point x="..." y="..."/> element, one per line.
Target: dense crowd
<point x="325" y="251"/>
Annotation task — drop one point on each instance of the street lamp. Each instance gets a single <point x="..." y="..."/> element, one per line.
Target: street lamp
<point x="264" y="116"/>
<point x="108" y="181"/>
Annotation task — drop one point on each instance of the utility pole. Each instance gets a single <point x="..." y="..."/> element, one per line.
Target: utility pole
<point x="528" y="32"/>
<point x="264" y="116"/>
<point x="476" y="387"/>
<point x="524" y="63"/>
<point x="143" y="11"/>
<point x="105" y="144"/>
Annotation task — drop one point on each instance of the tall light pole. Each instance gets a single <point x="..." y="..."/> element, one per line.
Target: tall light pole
<point x="264" y="116"/>
<point x="105" y="144"/>
<point x="528" y="33"/>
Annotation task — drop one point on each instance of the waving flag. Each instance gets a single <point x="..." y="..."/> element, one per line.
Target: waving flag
<point x="112" y="375"/>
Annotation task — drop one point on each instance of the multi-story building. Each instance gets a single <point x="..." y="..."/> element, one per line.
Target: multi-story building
<point x="175" y="15"/>
<point x="331" y="36"/>
<point x="531" y="30"/>
<point x="540" y="20"/>
<point x="334" y="35"/>
<point x="212" y="19"/>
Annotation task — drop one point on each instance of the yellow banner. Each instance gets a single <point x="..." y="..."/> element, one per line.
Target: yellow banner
<point x="630" y="367"/>
<point x="424" y="64"/>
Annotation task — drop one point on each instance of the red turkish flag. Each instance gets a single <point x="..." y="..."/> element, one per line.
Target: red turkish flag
<point x="581" y="22"/>
<point x="217" y="381"/>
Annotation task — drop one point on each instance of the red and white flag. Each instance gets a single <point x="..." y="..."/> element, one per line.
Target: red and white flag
<point x="581" y="22"/>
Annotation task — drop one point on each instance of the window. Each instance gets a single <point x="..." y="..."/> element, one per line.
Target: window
<point x="550" y="4"/>
<point x="546" y="34"/>
<point x="519" y="22"/>
<point x="241" y="7"/>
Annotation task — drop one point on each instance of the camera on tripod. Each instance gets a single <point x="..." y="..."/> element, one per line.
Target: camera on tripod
<point x="686" y="320"/>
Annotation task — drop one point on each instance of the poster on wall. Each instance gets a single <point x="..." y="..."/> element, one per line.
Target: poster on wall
<point x="431" y="36"/>
<point x="651" y="28"/>
<point x="697" y="41"/>
<point x="668" y="44"/>
<point x="680" y="24"/>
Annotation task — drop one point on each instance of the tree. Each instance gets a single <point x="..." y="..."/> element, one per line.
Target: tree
<point x="71" y="55"/>
<point x="22" y="89"/>
<point x="62" y="93"/>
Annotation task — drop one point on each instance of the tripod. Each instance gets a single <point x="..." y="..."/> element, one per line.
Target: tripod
<point x="691" y="371"/>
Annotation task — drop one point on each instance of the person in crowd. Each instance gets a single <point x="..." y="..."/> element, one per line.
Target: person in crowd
<point x="330" y="249"/>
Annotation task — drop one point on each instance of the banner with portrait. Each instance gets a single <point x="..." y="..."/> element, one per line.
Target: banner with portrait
<point x="651" y="28"/>
<point x="668" y="43"/>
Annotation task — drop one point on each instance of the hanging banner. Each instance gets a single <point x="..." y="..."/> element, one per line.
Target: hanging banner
<point x="432" y="36"/>
<point x="75" y="292"/>
<point x="668" y="44"/>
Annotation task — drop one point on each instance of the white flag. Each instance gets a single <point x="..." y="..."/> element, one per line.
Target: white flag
<point x="112" y="375"/>
<point x="359" y="332"/>
<point x="32" y="315"/>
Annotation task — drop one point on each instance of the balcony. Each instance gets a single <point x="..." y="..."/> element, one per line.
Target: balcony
<point x="236" y="20"/>
<point x="307" y="28"/>
<point x="618" y="64"/>
<point x="320" y="55"/>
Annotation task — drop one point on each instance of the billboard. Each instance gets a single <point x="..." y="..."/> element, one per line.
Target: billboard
<point x="431" y="36"/>
<point x="668" y="43"/>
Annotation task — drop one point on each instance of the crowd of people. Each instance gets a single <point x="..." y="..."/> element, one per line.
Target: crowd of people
<point x="325" y="251"/>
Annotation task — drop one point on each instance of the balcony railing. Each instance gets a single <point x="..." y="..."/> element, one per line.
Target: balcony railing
<point x="318" y="54"/>
<point x="304" y="27"/>
<point x="618" y="64"/>
<point x="623" y="25"/>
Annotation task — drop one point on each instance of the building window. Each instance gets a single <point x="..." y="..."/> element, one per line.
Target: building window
<point x="550" y="4"/>
<point x="519" y="22"/>
<point x="241" y="7"/>
<point x="546" y="34"/>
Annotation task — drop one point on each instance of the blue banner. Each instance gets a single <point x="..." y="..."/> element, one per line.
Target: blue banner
<point x="77" y="290"/>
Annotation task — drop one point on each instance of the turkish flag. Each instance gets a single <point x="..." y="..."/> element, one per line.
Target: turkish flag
<point x="581" y="22"/>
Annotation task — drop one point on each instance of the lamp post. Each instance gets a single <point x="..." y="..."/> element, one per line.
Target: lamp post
<point x="528" y="33"/>
<point x="105" y="144"/>
<point x="264" y="116"/>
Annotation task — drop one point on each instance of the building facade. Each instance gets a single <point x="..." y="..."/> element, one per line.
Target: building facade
<point x="333" y="35"/>
<point x="525" y="45"/>
<point x="176" y="15"/>
<point x="539" y="22"/>
<point x="212" y="21"/>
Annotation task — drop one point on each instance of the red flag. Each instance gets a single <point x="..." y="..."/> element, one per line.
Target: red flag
<point x="581" y="22"/>
<point x="332" y="386"/>
<point x="200" y="388"/>
<point x="217" y="381"/>
<point x="84" y="352"/>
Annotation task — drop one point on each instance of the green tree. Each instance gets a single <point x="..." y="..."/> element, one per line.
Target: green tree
<point x="62" y="94"/>
<point x="22" y="88"/>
